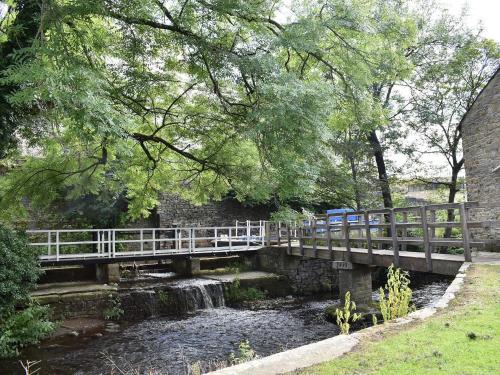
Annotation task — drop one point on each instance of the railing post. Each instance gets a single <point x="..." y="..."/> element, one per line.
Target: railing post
<point x="288" y="240"/>
<point x="465" y="233"/>
<point x="346" y="230"/>
<point x="57" y="245"/>
<point x="314" y="239"/>
<point x="49" y="241"/>
<point x="141" y="236"/>
<point x="279" y="233"/>
<point x="110" y="248"/>
<point x="427" y="247"/>
<point x="329" y="237"/>
<point x="114" y="242"/>
<point x="432" y="230"/>
<point x="99" y="249"/>
<point x="404" y="230"/>
<point x="230" y="239"/>
<point x="268" y="233"/>
<point x="301" y="240"/>
<point x="193" y="240"/>
<point x="368" y="234"/>
<point x="153" y="235"/>
<point x="216" y="239"/>
<point x="394" y="234"/>
<point x="178" y="242"/>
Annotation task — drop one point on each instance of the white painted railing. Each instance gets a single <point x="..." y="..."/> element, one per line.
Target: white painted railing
<point x="73" y="244"/>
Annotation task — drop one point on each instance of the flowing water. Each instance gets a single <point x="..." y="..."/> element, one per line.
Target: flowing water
<point x="209" y="335"/>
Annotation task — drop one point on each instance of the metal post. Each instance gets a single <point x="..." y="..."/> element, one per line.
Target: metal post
<point x="301" y="240"/>
<point x="427" y="247"/>
<point x="109" y="242"/>
<point x="49" y="240"/>
<point x="57" y="245"/>
<point x="279" y="233"/>
<point x="261" y="233"/>
<point x="288" y="240"/>
<point x="153" y="235"/>
<point x="193" y="240"/>
<point x="465" y="233"/>
<point x="216" y="240"/>
<point x="313" y="235"/>
<point x="142" y="240"/>
<point x="114" y="242"/>
<point x="230" y="239"/>
<point x="99" y="249"/>
<point x="178" y="243"/>
<point x="394" y="234"/>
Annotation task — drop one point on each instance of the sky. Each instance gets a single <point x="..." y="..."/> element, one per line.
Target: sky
<point x="485" y="11"/>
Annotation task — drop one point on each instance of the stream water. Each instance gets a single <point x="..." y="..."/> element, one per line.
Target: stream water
<point x="169" y="345"/>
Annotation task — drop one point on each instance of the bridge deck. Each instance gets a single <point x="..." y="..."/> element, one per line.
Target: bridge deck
<point x="444" y="264"/>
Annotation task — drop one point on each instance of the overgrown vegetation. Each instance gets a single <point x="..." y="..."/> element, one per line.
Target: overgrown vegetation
<point x="115" y="310"/>
<point x="395" y="297"/>
<point x="347" y="315"/>
<point x="234" y="293"/>
<point x="22" y="321"/>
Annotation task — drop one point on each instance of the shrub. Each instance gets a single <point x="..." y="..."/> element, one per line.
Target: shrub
<point x="396" y="303"/>
<point x="245" y="353"/>
<point x="26" y="327"/>
<point x="114" y="311"/>
<point x="346" y="315"/>
<point x="235" y="293"/>
<point x="19" y="271"/>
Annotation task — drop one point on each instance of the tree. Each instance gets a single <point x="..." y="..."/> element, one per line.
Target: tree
<point x="443" y="89"/>
<point x="143" y="96"/>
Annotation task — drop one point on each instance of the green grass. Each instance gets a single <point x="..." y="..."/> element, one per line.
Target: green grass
<point x="462" y="339"/>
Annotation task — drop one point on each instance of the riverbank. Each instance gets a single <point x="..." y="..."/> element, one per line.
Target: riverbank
<point x="461" y="339"/>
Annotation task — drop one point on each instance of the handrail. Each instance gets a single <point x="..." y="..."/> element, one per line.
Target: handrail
<point x="403" y="227"/>
<point x="71" y="244"/>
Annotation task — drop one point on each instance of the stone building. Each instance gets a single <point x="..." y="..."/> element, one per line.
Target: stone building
<point x="481" y="144"/>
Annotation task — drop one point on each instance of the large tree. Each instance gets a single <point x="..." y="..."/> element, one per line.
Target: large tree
<point x="189" y="96"/>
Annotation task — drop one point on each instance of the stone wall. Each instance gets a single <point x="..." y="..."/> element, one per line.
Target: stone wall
<point x="307" y="276"/>
<point x="481" y="142"/>
<point x="175" y="211"/>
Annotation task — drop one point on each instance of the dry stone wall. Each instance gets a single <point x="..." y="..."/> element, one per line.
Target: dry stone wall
<point x="175" y="211"/>
<point x="481" y="141"/>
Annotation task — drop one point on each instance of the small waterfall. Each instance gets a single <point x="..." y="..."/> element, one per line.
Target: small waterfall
<point x="197" y="294"/>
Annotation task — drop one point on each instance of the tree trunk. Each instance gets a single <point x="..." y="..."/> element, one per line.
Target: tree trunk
<point x="378" y="153"/>
<point x="354" y="173"/>
<point x="451" y="198"/>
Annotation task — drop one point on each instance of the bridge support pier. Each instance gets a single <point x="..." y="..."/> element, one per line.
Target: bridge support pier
<point x="186" y="266"/>
<point x="107" y="273"/>
<point x="357" y="279"/>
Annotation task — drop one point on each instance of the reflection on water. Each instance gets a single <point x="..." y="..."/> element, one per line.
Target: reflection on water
<point x="168" y="345"/>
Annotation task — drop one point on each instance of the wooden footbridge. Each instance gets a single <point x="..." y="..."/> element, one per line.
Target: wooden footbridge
<point x="408" y="237"/>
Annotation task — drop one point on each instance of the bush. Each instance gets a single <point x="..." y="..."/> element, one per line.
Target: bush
<point x="26" y="327"/>
<point x="235" y="293"/>
<point x="19" y="271"/>
<point x="115" y="310"/>
<point x="396" y="303"/>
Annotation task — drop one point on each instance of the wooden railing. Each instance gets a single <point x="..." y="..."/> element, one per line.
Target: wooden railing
<point x="419" y="228"/>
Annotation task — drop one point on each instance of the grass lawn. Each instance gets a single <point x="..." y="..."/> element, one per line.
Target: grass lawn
<point x="462" y="339"/>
